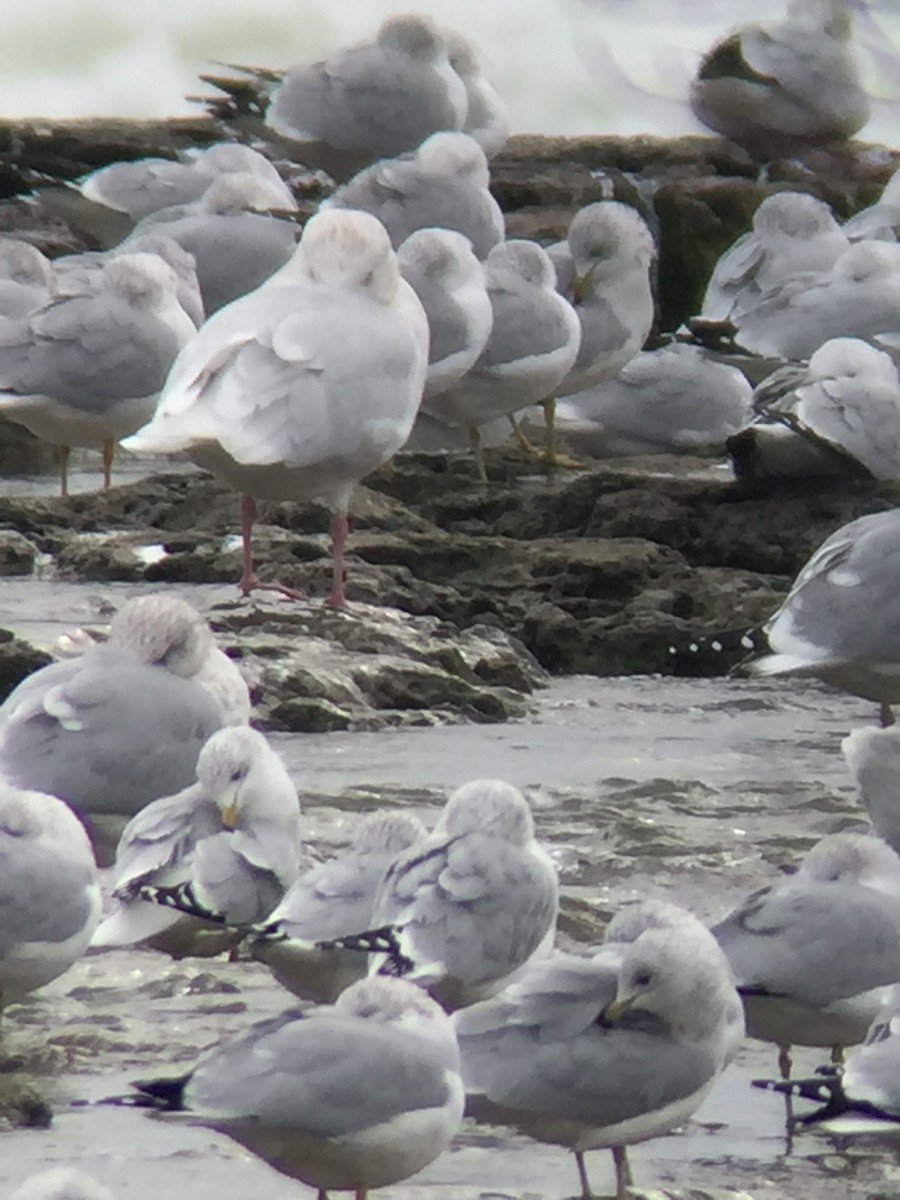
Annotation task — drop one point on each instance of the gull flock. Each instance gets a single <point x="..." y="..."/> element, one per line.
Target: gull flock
<point x="292" y="364"/>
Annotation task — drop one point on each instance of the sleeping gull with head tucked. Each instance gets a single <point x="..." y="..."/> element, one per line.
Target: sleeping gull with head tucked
<point x="86" y="369"/>
<point x="349" y="1097"/>
<point x="50" y="899"/>
<point x="122" y="724"/>
<point x="331" y="900"/>
<point x="458" y="913"/>
<point x="303" y="387"/>
<point x="610" y="1049"/>
<point x="779" y="87"/>
<point x="27" y="278"/>
<point x="225" y="849"/>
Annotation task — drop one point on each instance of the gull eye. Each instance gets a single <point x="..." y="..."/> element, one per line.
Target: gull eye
<point x="237" y="774"/>
<point x="643" y="979"/>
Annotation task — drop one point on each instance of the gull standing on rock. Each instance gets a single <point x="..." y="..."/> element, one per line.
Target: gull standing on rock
<point x="444" y="184"/>
<point x="123" y="723"/>
<point x="225" y="849"/>
<point x="50" y="896"/>
<point x="458" y="913"/>
<point x="440" y="267"/>
<point x="793" y="233"/>
<point x="779" y="87"/>
<point x="331" y="900"/>
<point x="349" y="1097"/>
<point x="86" y="370"/>
<point x="303" y="387"/>
<point x="607" y="1050"/>
<point x="533" y="344"/>
<point x="839" y="622"/>
<point x="603" y="270"/>
<point x="840" y="415"/>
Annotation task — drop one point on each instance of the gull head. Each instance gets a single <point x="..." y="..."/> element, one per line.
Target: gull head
<point x="850" y="858"/>
<point x="832" y="17"/>
<point x="630" y="922"/>
<point x="868" y="260"/>
<point x="488" y="806"/>
<point x="851" y="358"/>
<point x="180" y="260"/>
<point x="518" y="259"/>
<point x="21" y="262"/>
<point x="392" y="1001"/>
<point x="234" y="193"/>
<point x="796" y="214"/>
<point x="607" y="237"/>
<point x="348" y="248"/>
<point x="414" y="35"/>
<point x="448" y="155"/>
<point x="141" y="280"/>
<point x="441" y="255"/>
<point x="231" y="768"/>
<point x="387" y="832"/>
<point x="163" y="631"/>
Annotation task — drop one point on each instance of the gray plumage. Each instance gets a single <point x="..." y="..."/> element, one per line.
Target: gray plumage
<point x="533" y="342"/>
<point x="793" y="234"/>
<point x="838" y="621"/>
<point x="873" y="756"/>
<point x="49" y="890"/>
<point x="26" y="278"/>
<point x="474" y="901"/>
<point x="443" y="184"/>
<point x="373" y="100"/>
<point x="779" y="87"/>
<point x="487" y="117"/>
<point x="880" y="221"/>
<point x="123" y="723"/>
<point x="355" y="1096"/>
<point x="233" y="836"/>
<point x="331" y="900"/>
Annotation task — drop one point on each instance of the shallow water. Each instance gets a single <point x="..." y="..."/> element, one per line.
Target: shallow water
<point x="692" y="789"/>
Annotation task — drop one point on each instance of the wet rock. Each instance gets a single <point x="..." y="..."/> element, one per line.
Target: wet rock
<point x="21" y="453"/>
<point x="17" y="659"/>
<point x="21" y="1105"/>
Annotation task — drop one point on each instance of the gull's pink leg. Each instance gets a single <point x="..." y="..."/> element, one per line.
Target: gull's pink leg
<point x="248" y="582"/>
<point x="340" y="527"/>
<point x="108" y="451"/>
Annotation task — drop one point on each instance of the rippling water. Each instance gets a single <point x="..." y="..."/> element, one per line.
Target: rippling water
<point x="565" y="66"/>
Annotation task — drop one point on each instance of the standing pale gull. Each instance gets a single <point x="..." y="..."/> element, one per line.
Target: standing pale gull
<point x="838" y="623"/>
<point x="369" y="101"/>
<point x="859" y="297"/>
<point x="331" y="900"/>
<point x="235" y="249"/>
<point x="487" y="117"/>
<point x="440" y="267"/>
<point x="793" y="233"/>
<point x="813" y="953"/>
<point x="122" y="724"/>
<point x="26" y="278"/>
<point x="49" y="891"/>
<point x="880" y="221"/>
<point x="354" y="1096"/>
<point x="85" y="370"/>
<point x="458" y="913"/>
<point x="608" y="1050"/>
<point x="533" y="343"/>
<point x="300" y="389"/>
<point x="79" y="272"/>
<point x="443" y="184"/>
<point x="779" y="87"/>
<point x="839" y="416"/>
<point x="61" y="1183"/>
<point x="668" y="400"/>
<point x="226" y="848"/>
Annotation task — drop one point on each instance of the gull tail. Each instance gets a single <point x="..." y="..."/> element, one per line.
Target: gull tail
<point x="164" y="1095"/>
<point x="181" y="897"/>
<point x="385" y="940"/>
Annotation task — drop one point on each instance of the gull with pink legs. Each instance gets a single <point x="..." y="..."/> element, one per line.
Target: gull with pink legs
<point x="299" y="389"/>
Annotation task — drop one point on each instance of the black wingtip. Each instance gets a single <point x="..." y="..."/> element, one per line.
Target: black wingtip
<point x="163" y="1095"/>
<point x="375" y="941"/>
<point x="727" y="650"/>
<point x="182" y="898"/>
<point x="824" y="1088"/>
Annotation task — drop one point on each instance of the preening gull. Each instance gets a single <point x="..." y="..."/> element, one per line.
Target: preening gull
<point x="443" y="184"/>
<point x="50" y="899"/>
<point x="603" y="270"/>
<point x="779" y="87"/>
<point x="235" y="249"/>
<point x="793" y="233"/>
<point x="668" y="400"/>
<point x="373" y="100"/>
<point x="226" y="848"/>
<point x="442" y="270"/>
<point x="533" y="343"/>
<point x="331" y="900"/>
<point x="122" y="724"/>
<point x="859" y="297"/>
<point x="838" y="622"/>
<point x="85" y="370"/>
<point x="61" y="1183"/>
<point x="838" y="416"/>
<point x="303" y="387"/>
<point x="813" y="953"/>
<point x="348" y="1097"/>
<point x="458" y="913"/>
<point x="606" y="1050"/>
